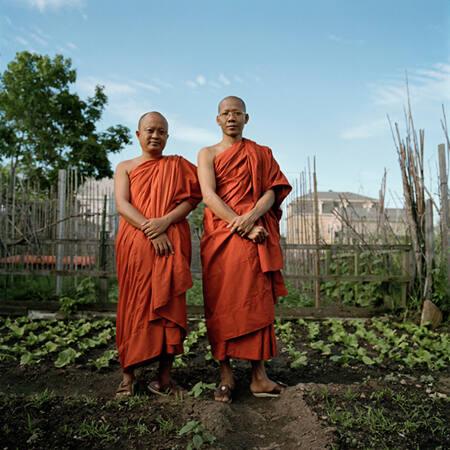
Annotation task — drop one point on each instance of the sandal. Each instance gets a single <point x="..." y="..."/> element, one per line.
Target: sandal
<point x="223" y="391"/>
<point x="125" y="390"/>
<point x="274" y="393"/>
<point x="171" y="389"/>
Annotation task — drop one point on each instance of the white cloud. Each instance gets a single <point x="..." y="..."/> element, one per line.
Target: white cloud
<point x="238" y="79"/>
<point x="147" y="86"/>
<point x="128" y="110"/>
<point x="22" y="41"/>
<point x="39" y="32"/>
<point x="201" y="80"/>
<point x="365" y="131"/>
<point x="424" y="84"/>
<point x="87" y="85"/>
<point x="342" y="40"/>
<point x="224" y="80"/>
<point x="8" y="20"/>
<point x="38" y="39"/>
<point x="43" y="5"/>
<point x="71" y="45"/>
<point x="162" y="83"/>
<point x="193" y="135"/>
<point x="191" y="84"/>
<point x="215" y="84"/>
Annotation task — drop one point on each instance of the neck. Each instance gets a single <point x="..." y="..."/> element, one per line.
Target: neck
<point x="150" y="156"/>
<point x="230" y="140"/>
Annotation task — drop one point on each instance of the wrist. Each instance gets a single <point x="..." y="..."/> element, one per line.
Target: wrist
<point x="255" y="214"/>
<point x="167" y="220"/>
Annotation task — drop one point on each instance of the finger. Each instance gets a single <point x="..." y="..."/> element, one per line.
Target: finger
<point x="167" y="248"/>
<point x="170" y="247"/>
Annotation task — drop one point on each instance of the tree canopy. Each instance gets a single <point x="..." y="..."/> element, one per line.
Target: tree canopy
<point x="44" y="126"/>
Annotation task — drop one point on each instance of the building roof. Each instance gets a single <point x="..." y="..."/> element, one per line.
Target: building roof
<point x="335" y="195"/>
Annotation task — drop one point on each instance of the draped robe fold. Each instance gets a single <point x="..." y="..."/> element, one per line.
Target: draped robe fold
<point x="241" y="279"/>
<point x="151" y="314"/>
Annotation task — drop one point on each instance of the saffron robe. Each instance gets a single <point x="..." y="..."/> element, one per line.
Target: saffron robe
<point x="241" y="279"/>
<point x="151" y="314"/>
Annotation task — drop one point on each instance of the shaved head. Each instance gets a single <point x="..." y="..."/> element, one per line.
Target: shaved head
<point x="152" y="113"/>
<point x="237" y="99"/>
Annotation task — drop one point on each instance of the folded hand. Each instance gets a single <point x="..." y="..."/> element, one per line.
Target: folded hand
<point x="154" y="227"/>
<point x="258" y="234"/>
<point x="162" y="245"/>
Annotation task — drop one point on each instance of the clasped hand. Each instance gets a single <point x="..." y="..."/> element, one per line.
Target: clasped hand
<point x="243" y="225"/>
<point x="258" y="234"/>
<point x="155" y="230"/>
<point x="162" y="245"/>
<point x="154" y="227"/>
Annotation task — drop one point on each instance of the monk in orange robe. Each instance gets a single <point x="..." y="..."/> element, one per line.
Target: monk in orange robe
<point x="154" y="194"/>
<point x="242" y="187"/>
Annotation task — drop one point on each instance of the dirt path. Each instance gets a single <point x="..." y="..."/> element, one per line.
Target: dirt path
<point x="248" y="423"/>
<point x="265" y="424"/>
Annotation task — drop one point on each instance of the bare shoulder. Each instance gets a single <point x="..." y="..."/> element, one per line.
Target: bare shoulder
<point x="127" y="165"/>
<point x="207" y="154"/>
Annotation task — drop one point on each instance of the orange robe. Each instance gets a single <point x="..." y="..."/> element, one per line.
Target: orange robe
<point x="151" y="314"/>
<point x="241" y="279"/>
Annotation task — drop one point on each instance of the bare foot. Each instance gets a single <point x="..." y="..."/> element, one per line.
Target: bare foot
<point x="261" y="385"/>
<point x="126" y="386"/>
<point x="224" y="391"/>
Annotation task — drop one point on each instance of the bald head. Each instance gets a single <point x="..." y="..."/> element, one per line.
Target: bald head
<point x="234" y="99"/>
<point x="154" y="114"/>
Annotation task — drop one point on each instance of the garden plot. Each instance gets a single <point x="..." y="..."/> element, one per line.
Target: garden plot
<point x="353" y="384"/>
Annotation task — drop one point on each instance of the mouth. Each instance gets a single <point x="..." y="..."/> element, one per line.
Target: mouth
<point x="153" y="143"/>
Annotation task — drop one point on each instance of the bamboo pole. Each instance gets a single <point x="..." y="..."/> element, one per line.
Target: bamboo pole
<point x="444" y="214"/>
<point x="60" y="227"/>
<point x="317" y="240"/>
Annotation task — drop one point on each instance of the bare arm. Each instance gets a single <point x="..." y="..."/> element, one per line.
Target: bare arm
<point x="207" y="179"/>
<point x="122" y="196"/>
<point x="154" y="227"/>
<point x="244" y="224"/>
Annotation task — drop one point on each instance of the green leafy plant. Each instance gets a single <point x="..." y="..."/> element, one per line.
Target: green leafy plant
<point x="200" y="387"/>
<point x="198" y="434"/>
<point x="85" y="294"/>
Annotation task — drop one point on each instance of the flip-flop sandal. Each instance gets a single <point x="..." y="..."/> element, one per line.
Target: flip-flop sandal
<point x="223" y="390"/>
<point x="274" y="393"/>
<point x="172" y="389"/>
<point x="125" y="390"/>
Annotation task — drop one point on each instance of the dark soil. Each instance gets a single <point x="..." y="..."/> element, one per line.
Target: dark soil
<point x="42" y="407"/>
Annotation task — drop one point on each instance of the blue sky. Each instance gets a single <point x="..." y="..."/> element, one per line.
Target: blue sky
<point x="318" y="77"/>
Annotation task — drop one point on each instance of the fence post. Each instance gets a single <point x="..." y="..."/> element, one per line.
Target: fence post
<point x="103" y="280"/>
<point x="444" y="216"/>
<point x="317" y="241"/>
<point x="62" y="180"/>
<point x="429" y="248"/>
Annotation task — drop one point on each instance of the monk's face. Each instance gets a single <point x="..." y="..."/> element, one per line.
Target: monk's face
<point x="232" y="117"/>
<point x="153" y="134"/>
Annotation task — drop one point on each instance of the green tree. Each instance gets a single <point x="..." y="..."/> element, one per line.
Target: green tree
<point x="45" y="127"/>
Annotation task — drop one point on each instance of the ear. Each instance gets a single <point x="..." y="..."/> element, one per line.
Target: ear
<point x="247" y="117"/>
<point x="218" y="120"/>
<point x="138" y="134"/>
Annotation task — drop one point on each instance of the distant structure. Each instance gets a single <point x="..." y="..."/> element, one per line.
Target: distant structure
<point x="91" y="202"/>
<point x="343" y="216"/>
